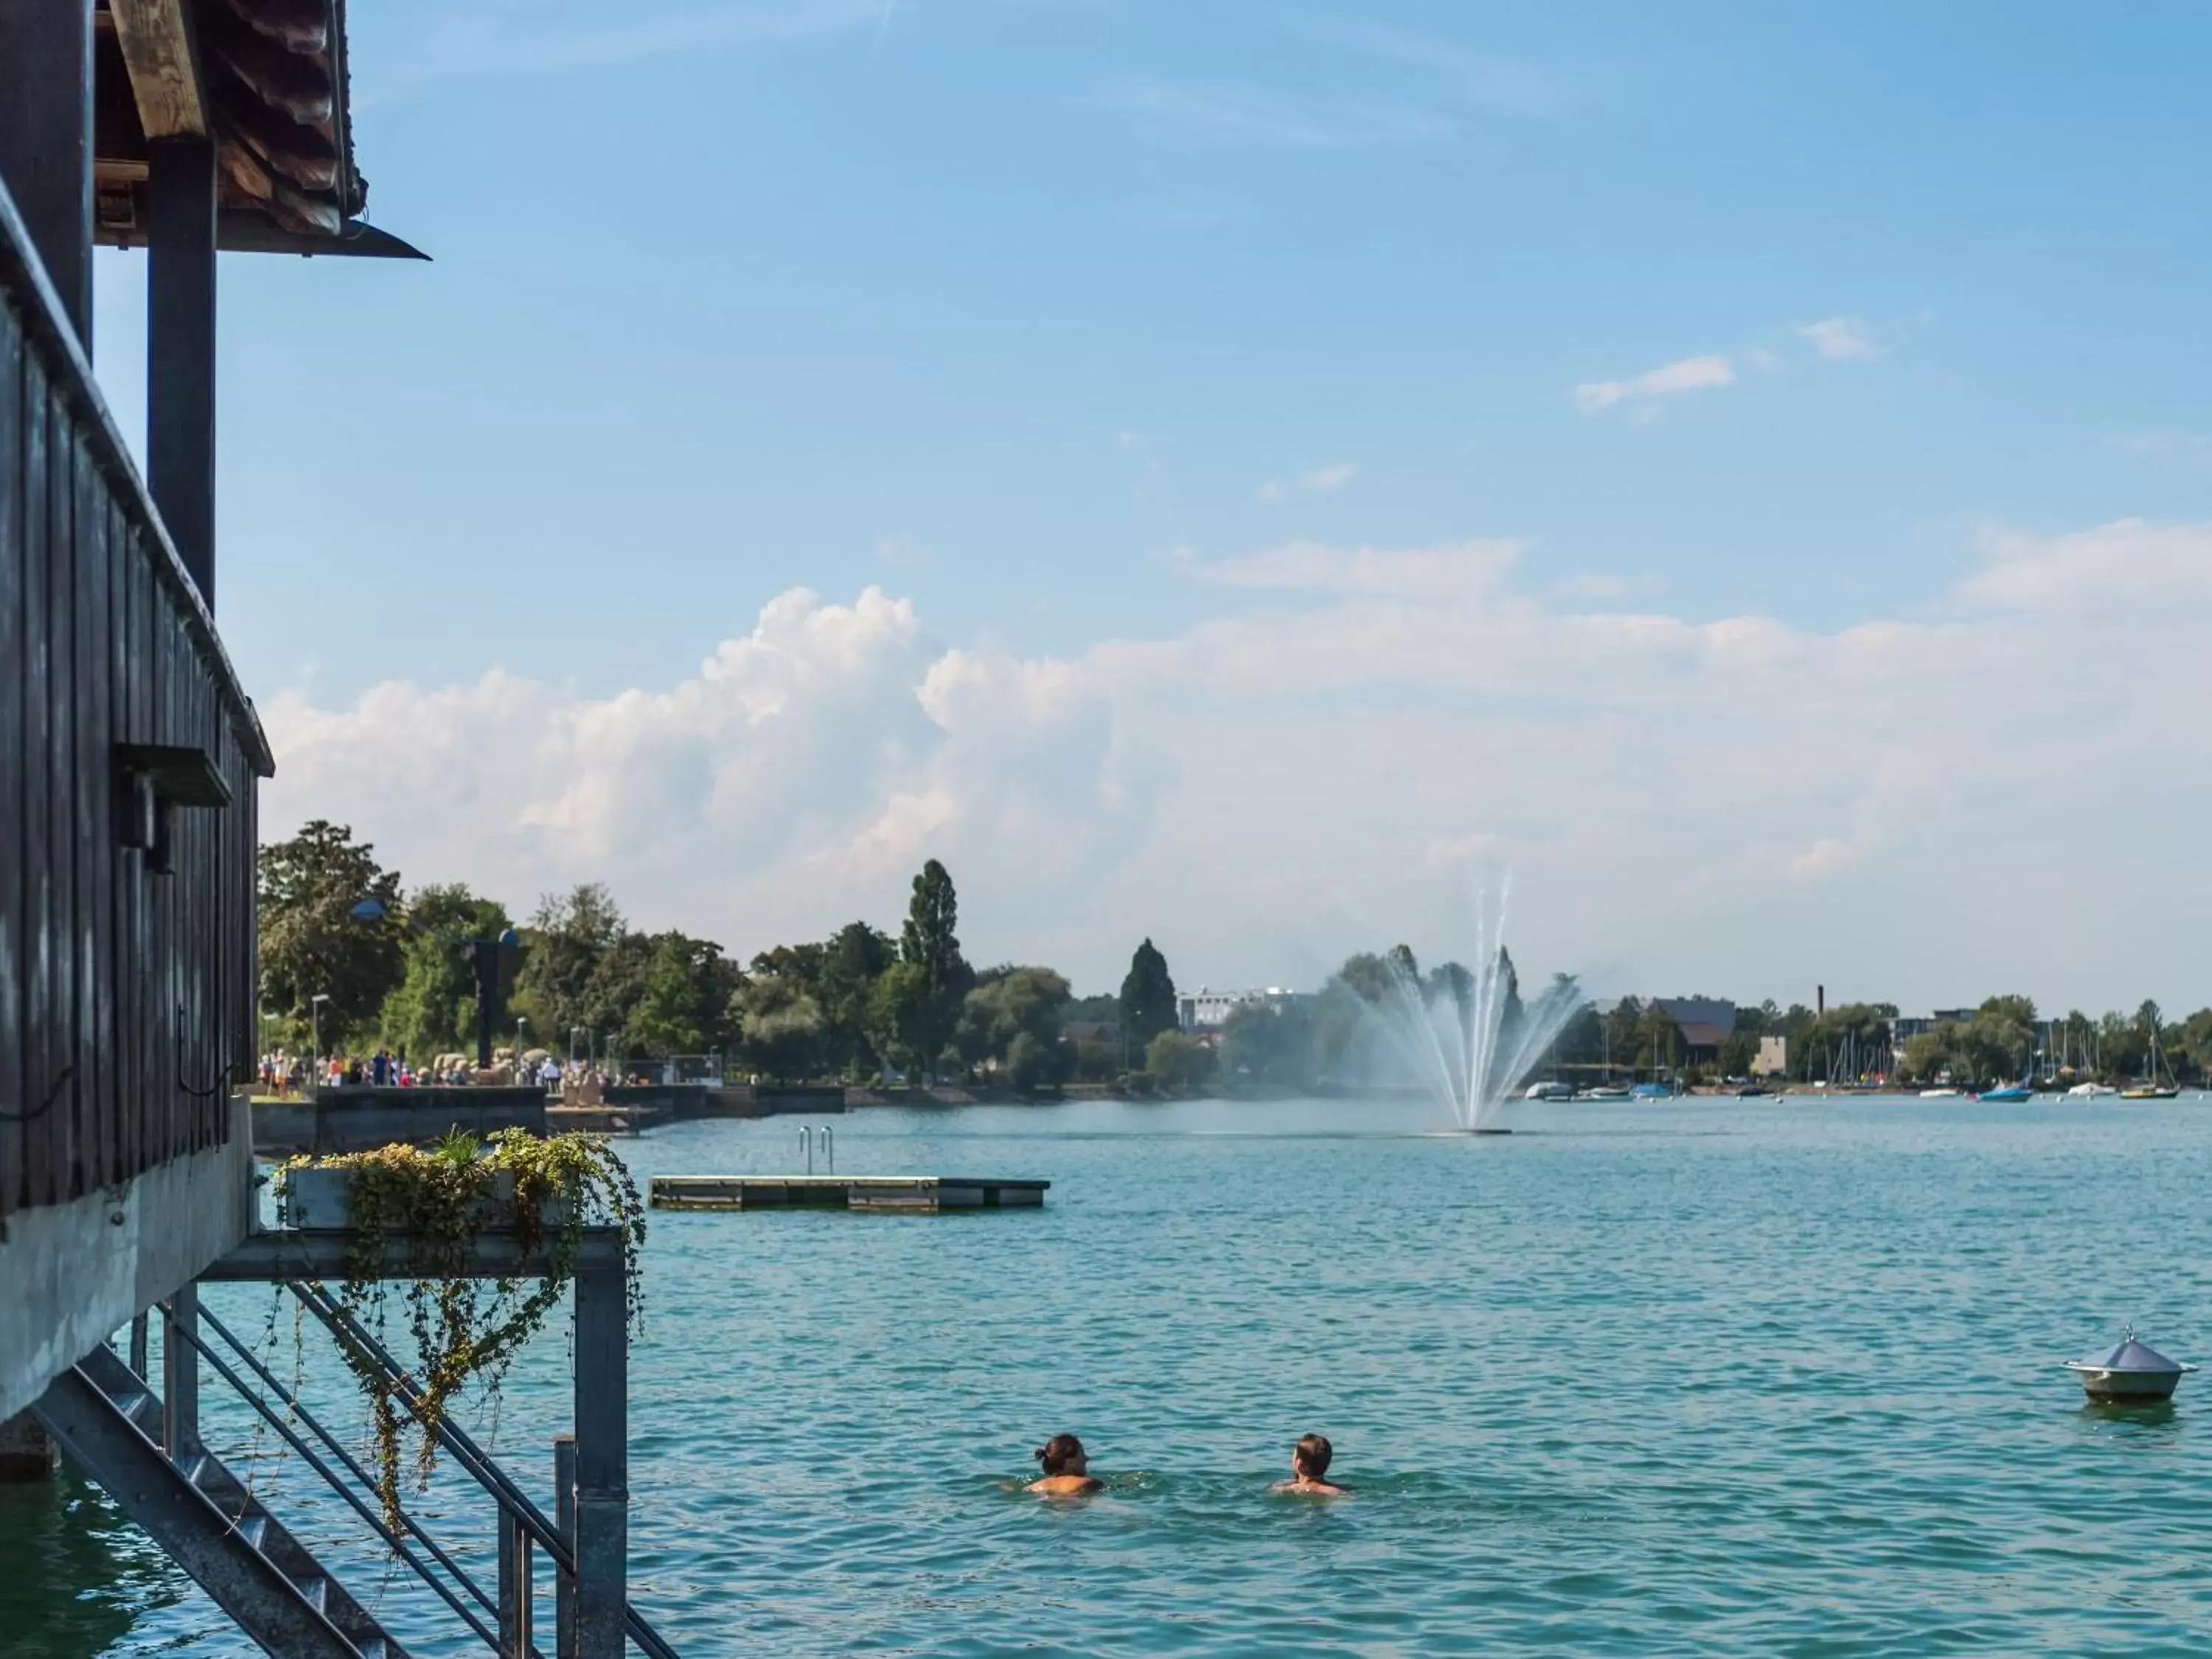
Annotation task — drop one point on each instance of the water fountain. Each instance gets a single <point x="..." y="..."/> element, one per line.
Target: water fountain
<point x="1466" y="1033"/>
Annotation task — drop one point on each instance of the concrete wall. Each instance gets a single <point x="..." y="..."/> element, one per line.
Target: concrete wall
<point x="72" y="1275"/>
<point x="356" y="1120"/>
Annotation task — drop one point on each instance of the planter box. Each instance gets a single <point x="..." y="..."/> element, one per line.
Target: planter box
<point x="317" y="1200"/>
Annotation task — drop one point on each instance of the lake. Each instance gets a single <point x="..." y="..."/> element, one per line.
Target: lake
<point x="1706" y="1377"/>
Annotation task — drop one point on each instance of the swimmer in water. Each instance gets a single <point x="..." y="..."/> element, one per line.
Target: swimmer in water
<point x="1066" y="1472"/>
<point x="1309" y="1469"/>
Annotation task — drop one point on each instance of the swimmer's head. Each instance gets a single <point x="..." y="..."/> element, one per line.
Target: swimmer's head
<point x="1061" y="1455"/>
<point x="1309" y="1458"/>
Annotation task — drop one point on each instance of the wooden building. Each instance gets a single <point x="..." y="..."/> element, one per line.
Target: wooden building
<point x="129" y="752"/>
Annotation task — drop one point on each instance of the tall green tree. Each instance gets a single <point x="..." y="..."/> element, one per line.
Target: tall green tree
<point x="1148" y="997"/>
<point x="930" y="944"/>
<point x="569" y="937"/>
<point x="852" y="960"/>
<point x="329" y="916"/>
<point x="683" y="1003"/>
<point x="1008" y="1003"/>
<point x="433" y="1009"/>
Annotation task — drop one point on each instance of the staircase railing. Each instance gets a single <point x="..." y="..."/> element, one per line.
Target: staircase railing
<point x="521" y="1523"/>
<point x="518" y="1515"/>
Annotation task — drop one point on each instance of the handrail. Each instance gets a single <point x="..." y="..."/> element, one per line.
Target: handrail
<point x="398" y="1544"/>
<point x="511" y="1498"/>
<point x="352" y="1463"/>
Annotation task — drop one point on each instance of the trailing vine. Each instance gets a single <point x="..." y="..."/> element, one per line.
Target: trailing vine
<point x="434" y="1204"/>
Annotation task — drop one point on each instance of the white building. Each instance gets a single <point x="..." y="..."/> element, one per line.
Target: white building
<point x="1205" y="1009"/>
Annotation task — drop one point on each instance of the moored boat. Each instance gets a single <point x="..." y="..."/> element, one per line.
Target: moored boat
<point x="2010" y="1092"/>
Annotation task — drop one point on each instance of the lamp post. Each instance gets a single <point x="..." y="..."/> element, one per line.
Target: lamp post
<point x="315" y="1022"/>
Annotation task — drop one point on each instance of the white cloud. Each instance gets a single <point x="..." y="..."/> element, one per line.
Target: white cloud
<point x="1321" y="481"/>
<point x="1667" y="380"/>
<point x="1988" y="798"/>
<point x="1840" y="338"/>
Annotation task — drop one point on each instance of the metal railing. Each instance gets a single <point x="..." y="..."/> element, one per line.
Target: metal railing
<point x="522" y="1523"/>
<point x="807" y="1133"/>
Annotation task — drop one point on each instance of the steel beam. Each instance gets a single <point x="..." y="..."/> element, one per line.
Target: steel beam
<point x="180" y="313"/>
<point x="602" y="1499"/>
<point x="45" y="141"/>
<point x="184" y="1521"/>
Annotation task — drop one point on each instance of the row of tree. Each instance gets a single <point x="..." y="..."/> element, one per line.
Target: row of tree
<point x="393" y="968"/>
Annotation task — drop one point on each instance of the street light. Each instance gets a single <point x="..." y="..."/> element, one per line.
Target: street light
<point x="520" y="1024"/>
<point x="315" y="1020"/>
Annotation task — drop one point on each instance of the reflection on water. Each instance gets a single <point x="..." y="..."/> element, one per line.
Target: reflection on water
<point x="1721" y="1378"/>
<point x="74" y="1575"/>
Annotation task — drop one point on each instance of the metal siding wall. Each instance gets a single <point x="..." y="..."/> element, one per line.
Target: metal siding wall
<point x="15" y="679"/>
<point x="122" y="994"/>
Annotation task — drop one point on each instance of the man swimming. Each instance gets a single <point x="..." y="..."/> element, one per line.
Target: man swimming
<point x="1309" y="1469"/>
<point x="1066" y="1471"/>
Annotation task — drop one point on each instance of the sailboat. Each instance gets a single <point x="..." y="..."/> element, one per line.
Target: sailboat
<point x="2153" y="1087"/>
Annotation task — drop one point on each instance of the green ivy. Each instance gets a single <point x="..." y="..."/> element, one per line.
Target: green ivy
<point x="434" y="1205"/>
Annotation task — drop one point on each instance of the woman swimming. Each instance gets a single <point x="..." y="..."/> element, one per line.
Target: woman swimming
<point x="1309" y="1468"/>
<point x="1066" y="1471"/>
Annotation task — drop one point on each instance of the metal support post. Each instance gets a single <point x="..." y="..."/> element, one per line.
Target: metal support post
<point x="514" y="1586"/>
<point x="46" y="140"/>
<point x="180" y="348"/>
<point x="602" y="1461"/>
<point x="564" y="1522"/>
<point x="181" y="1373"/>
<point x="138" y="1344"/>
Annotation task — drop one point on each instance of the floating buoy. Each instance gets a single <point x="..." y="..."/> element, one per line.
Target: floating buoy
<point x="2131" y="1372"/>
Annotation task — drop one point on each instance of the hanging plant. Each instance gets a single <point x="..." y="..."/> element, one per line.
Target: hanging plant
<point x="542" y="1191"/>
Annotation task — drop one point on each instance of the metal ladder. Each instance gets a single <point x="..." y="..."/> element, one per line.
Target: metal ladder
<point x="108" y="1420"/>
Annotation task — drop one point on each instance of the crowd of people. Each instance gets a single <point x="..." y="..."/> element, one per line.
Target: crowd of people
<point x="285" y="1073"/>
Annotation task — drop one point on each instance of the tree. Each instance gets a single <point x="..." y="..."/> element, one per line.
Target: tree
<point x="433" y="1009"/>
<point x="1148" y="997"/>
<point x="852" y="960"/>
<point x="1270" y="1044"/>
<point x="782" y="1033"/>
<point x="562" y="949"/>
<point x="328" y="927"/>
<point x="683" y="1005"/>
<point x="1031" y="1062"/>
<point x="1008" y="1003"/>
<point x="930" y="944"/>
<point x="1179" y="1061"/>
<point x="903" y="1017"/>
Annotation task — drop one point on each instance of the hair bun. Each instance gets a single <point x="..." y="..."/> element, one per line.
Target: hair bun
<point x="1040" y="1454"/>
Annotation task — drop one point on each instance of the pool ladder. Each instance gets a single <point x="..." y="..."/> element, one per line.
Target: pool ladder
<point x="807" y="1132"/>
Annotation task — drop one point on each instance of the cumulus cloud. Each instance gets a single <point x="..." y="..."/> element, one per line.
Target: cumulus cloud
<point x="1840" y="338"/>
<point x="1319" y="482"/>
<point x="1988" y="794"/>
<point x="1667" y="380"/>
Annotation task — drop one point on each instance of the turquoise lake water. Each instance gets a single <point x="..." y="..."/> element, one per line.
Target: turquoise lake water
<point x="1700" y="1378"/>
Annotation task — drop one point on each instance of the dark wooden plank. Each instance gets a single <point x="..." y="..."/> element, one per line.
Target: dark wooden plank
<point x="65" y="1123"/>
<point x="14" y="670"/>
<point x="38" y="1048"/>
<point x="100" y="863"/>
<point x="89" y="771"/>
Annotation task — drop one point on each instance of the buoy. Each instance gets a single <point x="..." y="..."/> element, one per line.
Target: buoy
<point x="2129" y="1373"/>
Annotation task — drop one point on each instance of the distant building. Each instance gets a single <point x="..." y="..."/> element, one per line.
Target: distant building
<point x="1204" y="1010"/>
<point x="1773" y="1057"/>
<point x="1704" y="1022"/>
<point x="1906" y="1027"/>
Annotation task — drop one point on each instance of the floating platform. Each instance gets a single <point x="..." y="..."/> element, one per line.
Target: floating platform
<point x="879" y="1195"/>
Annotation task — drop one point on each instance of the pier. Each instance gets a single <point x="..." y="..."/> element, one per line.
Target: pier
<point x="876" y="1194"/>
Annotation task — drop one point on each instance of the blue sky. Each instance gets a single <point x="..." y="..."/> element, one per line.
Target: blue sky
<point x="1051" y="318"/>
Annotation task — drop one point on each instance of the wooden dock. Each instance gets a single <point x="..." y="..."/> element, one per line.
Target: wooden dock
<point x="878" y="1195"/>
